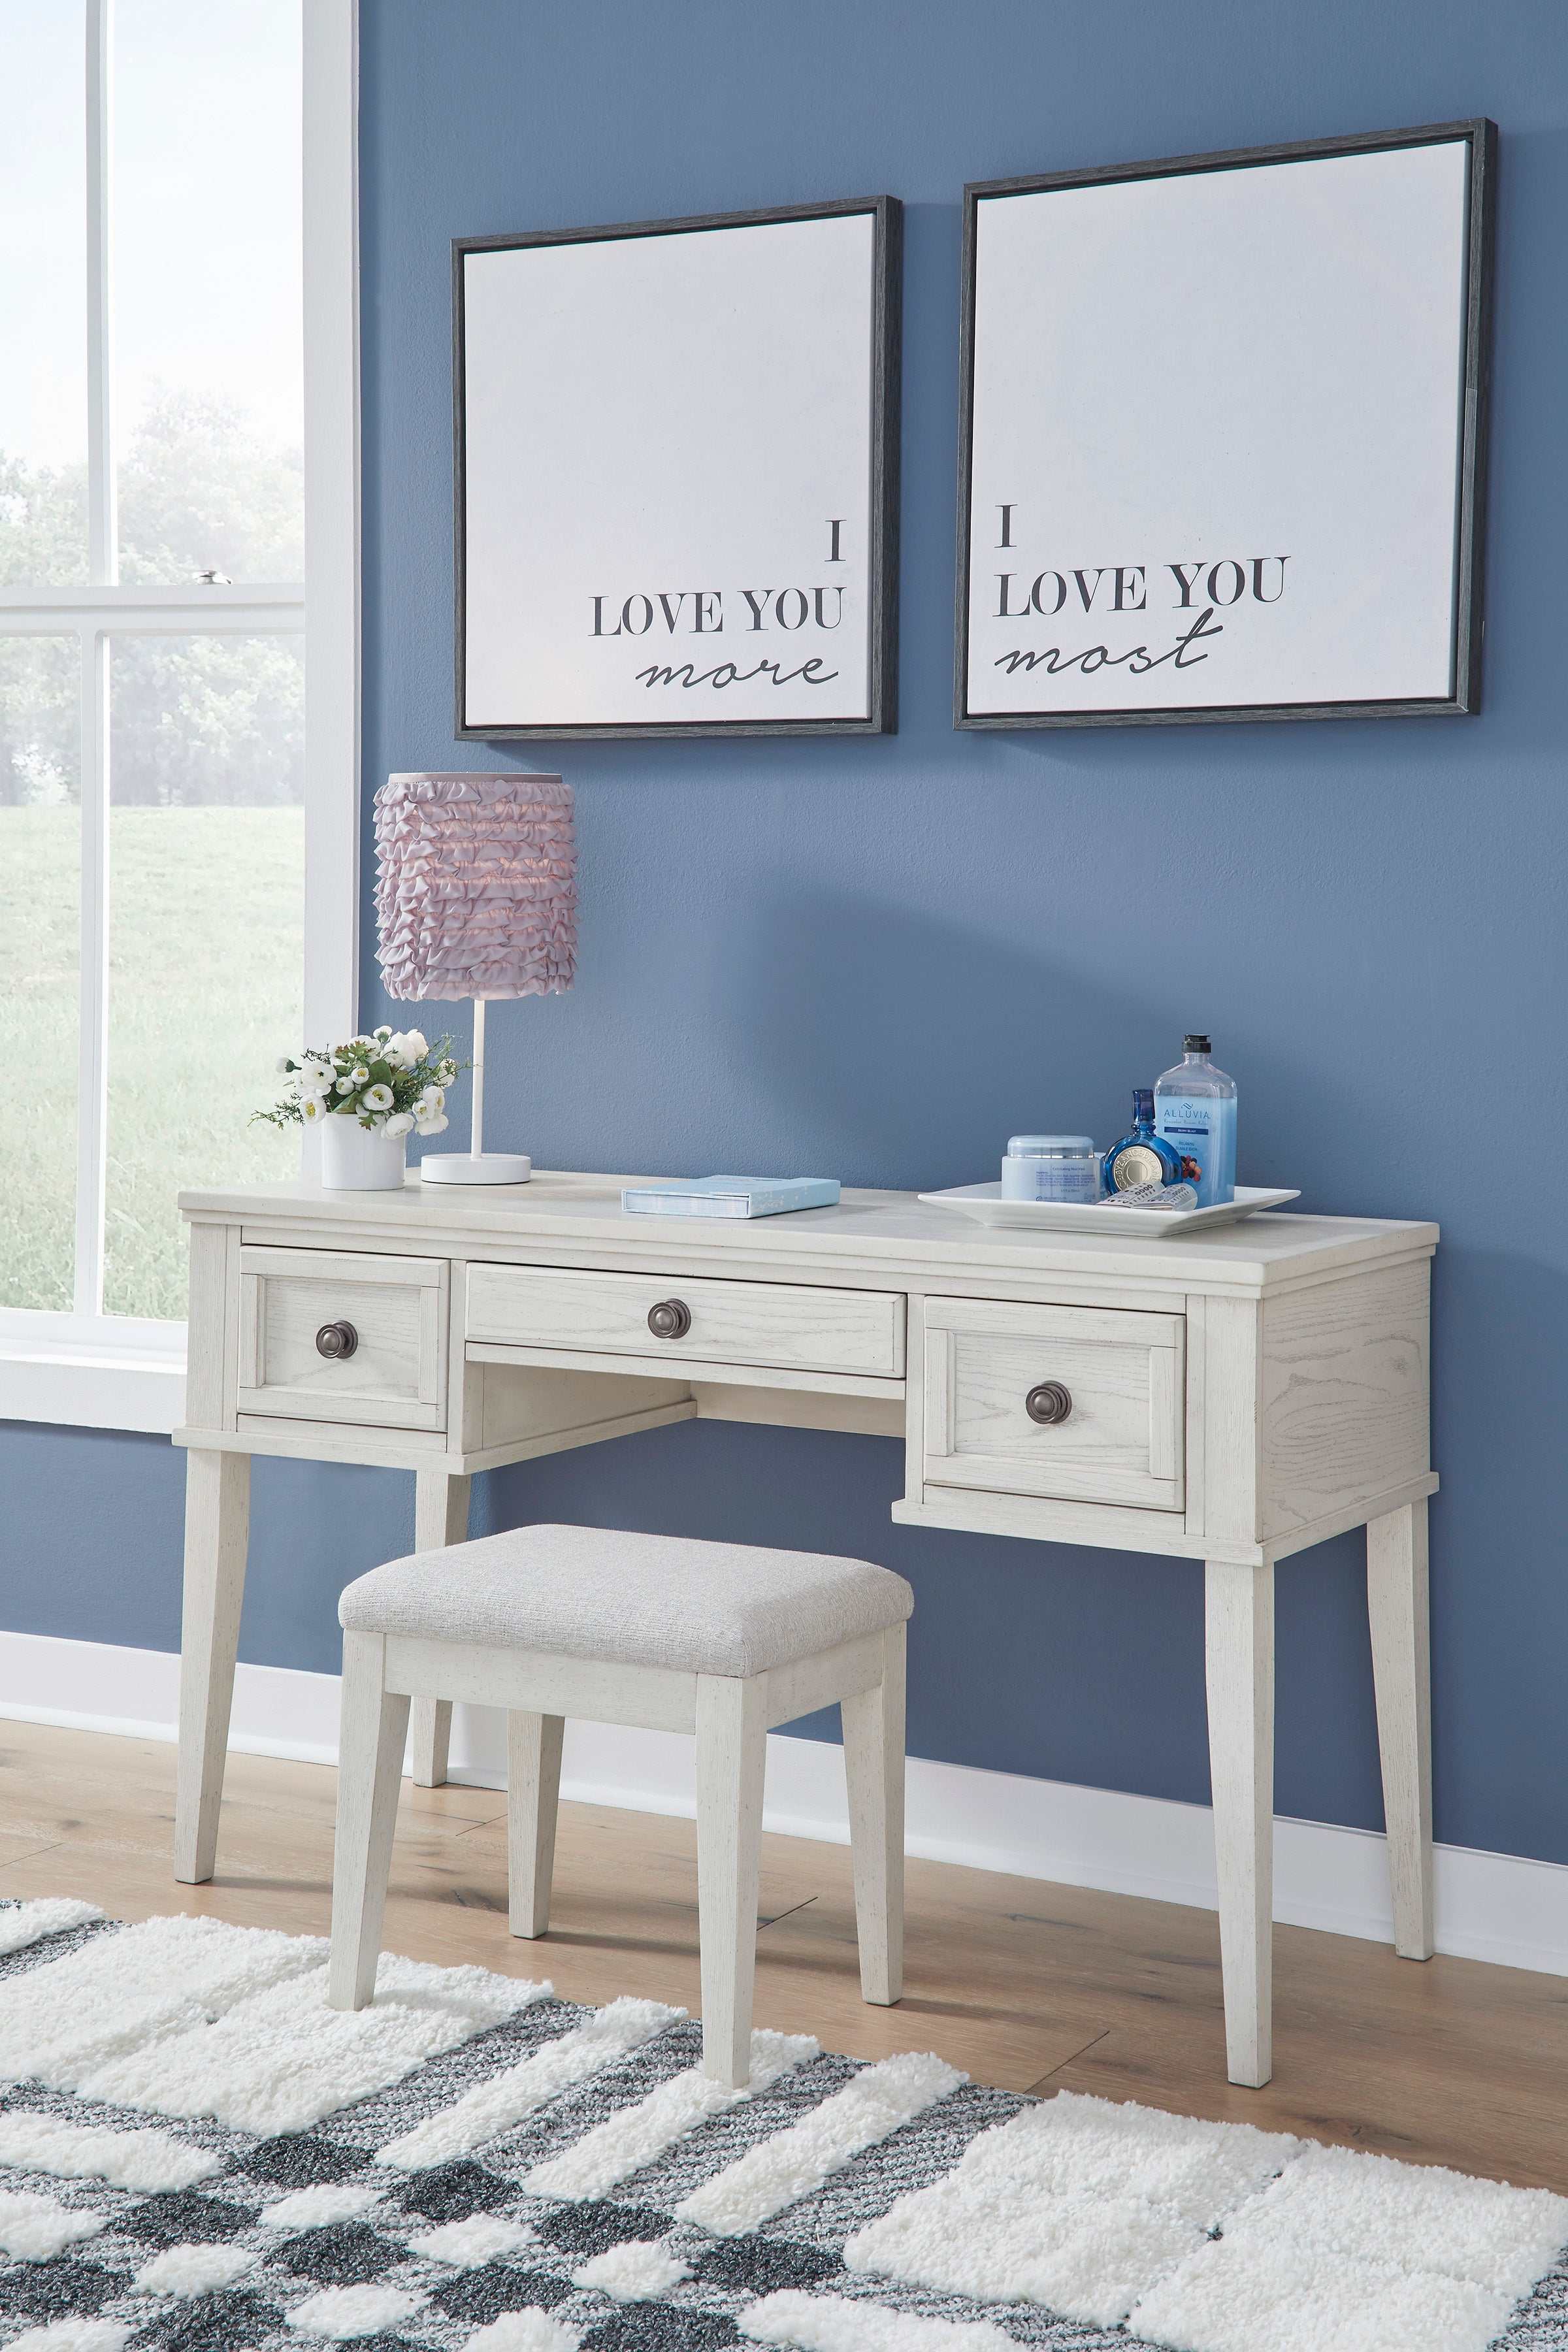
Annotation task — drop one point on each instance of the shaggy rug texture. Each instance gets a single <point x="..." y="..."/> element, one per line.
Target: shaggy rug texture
<point x="197" y="2154"/>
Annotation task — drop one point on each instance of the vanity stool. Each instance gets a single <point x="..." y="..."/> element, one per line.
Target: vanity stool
<point x="722" y="1640"/>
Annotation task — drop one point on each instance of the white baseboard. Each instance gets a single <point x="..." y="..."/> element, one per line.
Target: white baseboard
<point x="1490" y="1906"/>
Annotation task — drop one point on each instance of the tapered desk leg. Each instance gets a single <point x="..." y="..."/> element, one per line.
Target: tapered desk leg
<point x="218" y="1526"/>
<point x="1396" y="1605"/>
<point x="873" y="1725"/>
<point x="440" y="1518"/>
<point x="1240" y="1656"/>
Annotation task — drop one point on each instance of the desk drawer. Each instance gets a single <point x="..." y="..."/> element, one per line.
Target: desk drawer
<point x="768" y="1324"/>
<point x="390" y="1312"/>
<point x="1109" y="1392"/>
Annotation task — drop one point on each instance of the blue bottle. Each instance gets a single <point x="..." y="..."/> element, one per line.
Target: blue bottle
<point x="1194" y="1110"/>
<point x="1143" y="1157"/>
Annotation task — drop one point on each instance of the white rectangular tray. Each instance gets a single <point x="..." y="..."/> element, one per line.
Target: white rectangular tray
<point x="984" y="1203"/>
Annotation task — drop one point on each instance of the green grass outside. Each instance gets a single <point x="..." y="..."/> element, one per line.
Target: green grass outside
<point x="206" y="957"/>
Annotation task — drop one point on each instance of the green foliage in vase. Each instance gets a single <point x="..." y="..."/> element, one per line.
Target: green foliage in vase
<point x="392" y="1079"/>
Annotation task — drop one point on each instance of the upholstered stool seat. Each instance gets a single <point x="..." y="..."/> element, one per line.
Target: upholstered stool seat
<point x="722" y="1640"/>
<point x="630" y="1600"/>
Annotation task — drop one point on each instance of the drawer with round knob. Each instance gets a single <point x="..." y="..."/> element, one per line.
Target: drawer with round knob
<point x="1079" y="1404"/>
<point x="789" y="1327"/>
<point x="326" y="1336"/>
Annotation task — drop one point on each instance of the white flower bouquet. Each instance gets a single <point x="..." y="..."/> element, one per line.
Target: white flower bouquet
<point x="393" y="1082"/>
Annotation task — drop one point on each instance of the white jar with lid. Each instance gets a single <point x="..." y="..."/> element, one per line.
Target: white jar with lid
<point x="1051" y="1168"/>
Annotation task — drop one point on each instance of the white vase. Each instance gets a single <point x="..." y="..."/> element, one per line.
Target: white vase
<point x="357" y="1158"/>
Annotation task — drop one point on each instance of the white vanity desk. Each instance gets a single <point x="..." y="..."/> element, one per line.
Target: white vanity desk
<point x="1231" y="1397"/>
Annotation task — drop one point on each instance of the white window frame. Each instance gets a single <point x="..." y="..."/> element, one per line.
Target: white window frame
<point x="117" y="1371"/>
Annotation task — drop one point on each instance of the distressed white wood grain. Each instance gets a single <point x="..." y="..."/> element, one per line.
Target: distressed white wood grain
<point x="729" y="1718"/>
<point x="397" y="1375"/>
<point x="533" y="1795"/>
<point x="873" y="1723"/>
<point x="1401" y="1665"/>
<point x="778" y="1408"/>
<point x="218" y="1528"/>
<point x="1239" y="1650"/>
<point x="1124" y="1438"/>
<point x="731" y="1752"/>
<point x="1344" y="1406"/>
<point x="1237" y="1395"/>
<point x="440" y="1518"/>
<point x="1232" y="1438"/>
<point x="370" y="1764"/>
<point x="731" y="1322"/>
<point x="208" y="1345"/>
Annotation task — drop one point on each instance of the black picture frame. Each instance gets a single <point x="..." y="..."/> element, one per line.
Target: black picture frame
<point x="882" y="573"/>
<point x="1474" y="368"/>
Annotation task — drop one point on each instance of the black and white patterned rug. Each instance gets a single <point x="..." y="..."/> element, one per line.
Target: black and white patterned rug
<point x="196" y="2155"/>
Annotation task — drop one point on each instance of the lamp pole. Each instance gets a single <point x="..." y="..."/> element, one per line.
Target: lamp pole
<point x="477" y="1143"/>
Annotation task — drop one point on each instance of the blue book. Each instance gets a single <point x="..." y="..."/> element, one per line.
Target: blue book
<point x="730" y="1196"/>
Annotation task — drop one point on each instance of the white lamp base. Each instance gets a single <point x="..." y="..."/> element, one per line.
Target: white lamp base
<point x="476" y="1168"/>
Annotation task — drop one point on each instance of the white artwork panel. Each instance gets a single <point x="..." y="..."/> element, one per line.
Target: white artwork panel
<point x="668" y="477"/>
<point x="1216" y="436"/>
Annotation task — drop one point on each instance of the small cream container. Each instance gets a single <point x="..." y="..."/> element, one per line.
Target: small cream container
<point x="1051" y="1168"/>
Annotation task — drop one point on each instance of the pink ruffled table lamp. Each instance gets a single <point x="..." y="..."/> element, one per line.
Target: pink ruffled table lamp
<point x="476" y="897"/>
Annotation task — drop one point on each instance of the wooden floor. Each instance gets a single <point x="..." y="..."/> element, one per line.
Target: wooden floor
<point x="1031" y="1986"/>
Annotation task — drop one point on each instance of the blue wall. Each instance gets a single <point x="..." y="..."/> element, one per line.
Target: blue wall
<point x="880" y="957"/>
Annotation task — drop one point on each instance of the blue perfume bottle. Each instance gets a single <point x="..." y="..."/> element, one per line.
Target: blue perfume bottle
<point x="1143" y="1157"/>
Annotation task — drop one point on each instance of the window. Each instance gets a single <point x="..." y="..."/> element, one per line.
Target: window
<point x="155" y="793"/>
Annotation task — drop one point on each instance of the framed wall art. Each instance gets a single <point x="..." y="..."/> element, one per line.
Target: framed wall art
<point x="1222" y="436"/>
<point x="677" y="476"/>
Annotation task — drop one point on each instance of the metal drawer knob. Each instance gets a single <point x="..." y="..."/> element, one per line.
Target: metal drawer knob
<point x="337" y="1340"/>
<point x="671" y="1320"/>
<point x="1048" y="1403"/>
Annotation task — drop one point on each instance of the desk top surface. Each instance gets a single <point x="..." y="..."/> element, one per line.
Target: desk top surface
<point x="866" y="1227"/>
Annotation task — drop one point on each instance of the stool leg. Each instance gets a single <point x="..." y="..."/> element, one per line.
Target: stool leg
<point x="374" y="1727"/>
<point x="874" y="1766"/>
<point x="532" y="1793"/>
<point x="731" y="1748"/>
<point x="432" y="1740"/>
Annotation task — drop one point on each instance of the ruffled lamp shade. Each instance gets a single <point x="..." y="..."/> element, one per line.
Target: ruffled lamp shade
<point x="475" y="896"/>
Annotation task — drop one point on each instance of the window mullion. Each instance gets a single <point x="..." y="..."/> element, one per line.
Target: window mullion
<point x="102" y="497"/>
<point x="331" y="289"/>
<point x="103" y="563"/>
<point x="120" y="672"/>
<point x="92" y="1072"/>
